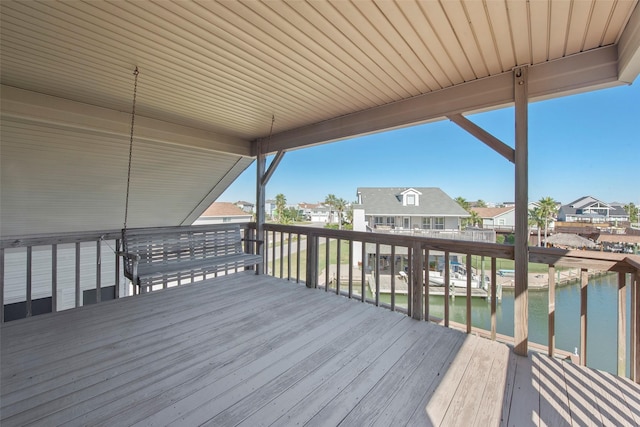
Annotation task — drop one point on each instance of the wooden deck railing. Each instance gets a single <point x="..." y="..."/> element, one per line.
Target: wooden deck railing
<point x="310" y="255"/>
<point x="53" y="272"/>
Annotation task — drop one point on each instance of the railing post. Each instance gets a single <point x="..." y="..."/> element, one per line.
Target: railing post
<point x="312" y="261"/>
<point x="417" y="309"/>
<point x="635" y="328"/>
<point x="622" y="327"/>
<point x="584" y="281"/>
<point x="552" y="310"/>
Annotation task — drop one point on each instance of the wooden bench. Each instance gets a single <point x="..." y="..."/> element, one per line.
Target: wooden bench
<point x="158" y="256"/>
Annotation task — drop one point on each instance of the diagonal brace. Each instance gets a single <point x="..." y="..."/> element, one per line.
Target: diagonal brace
<point x="494" y="143"/>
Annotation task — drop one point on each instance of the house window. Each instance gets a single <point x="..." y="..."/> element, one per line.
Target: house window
<point x="384" y="220"/>
<point x="438" y="223"/>
<point x="411" y="199"/>
<point x="426" y="223"/>
<point x="501" y="221"/>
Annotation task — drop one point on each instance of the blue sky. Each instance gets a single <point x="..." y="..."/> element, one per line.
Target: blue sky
<point x="585" y="144"/>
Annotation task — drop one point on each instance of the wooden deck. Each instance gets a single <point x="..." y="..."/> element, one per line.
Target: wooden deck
<point x="254" y="350"/>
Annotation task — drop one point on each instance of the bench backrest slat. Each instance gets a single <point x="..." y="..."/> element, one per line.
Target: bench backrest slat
<point x="166" y="244"/>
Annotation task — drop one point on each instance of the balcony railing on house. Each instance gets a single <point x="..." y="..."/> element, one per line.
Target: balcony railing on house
<point x="390" y="270"/>
<point x="40" y="274"/>
<point x="48" y="273"/>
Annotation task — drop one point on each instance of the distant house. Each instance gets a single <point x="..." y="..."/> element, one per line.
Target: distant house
<point x="245" y="206"/>
<point x="398" y="208"/>
<point x="223" y="212"/>
<point x="591" y="210"/>
<point x="497" y="218"/>
<point x="270" y="208"/>
<point x="314" y="212"/>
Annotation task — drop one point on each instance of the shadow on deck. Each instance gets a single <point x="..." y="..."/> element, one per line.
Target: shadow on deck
<point x="256" y="350"/>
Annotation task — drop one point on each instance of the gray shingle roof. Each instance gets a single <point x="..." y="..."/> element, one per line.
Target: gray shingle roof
<point x="387" y="201"/>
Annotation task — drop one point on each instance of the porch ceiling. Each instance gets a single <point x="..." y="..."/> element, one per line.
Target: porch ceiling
<point x="212" y="74"/>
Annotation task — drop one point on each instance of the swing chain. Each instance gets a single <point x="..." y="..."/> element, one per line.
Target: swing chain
<point x="133" y="118"/>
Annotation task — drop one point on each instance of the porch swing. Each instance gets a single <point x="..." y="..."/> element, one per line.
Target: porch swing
<point x="160" y="256"/>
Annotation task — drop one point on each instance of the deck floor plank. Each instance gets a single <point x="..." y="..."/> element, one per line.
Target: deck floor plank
<point x="256" y="350"/>
<point x="554" y="401"/>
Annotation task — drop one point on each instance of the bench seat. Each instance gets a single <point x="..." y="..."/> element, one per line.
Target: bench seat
<point x="158" y="256"/>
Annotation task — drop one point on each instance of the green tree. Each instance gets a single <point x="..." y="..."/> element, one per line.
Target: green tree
<point x="481" y="203"/>
<point x="341" y="206"/>
<point x="475" y="219"/>
<point x="536" y="219"/>
<point x="548" y="209"/>
<point x="632" y="210"/>
<point x="464" y="204"/>
<point x="281" y="205"/>
<point x="331" y="201"/>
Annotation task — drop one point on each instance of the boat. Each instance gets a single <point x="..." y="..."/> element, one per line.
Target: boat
<point x="457" y="278"/>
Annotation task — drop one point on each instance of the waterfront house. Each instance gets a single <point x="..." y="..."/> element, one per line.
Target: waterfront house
<point x="588" y="209"/>
<point x="314" y="212"/>
<point x="406" y="209"/>
<point x="499" y="219"/>
<point x="222" y="213"/>
<point x="143" y="113"/>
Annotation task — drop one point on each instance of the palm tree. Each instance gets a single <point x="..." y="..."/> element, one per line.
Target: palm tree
<point x="548" y="209"/>
<point x="330" y="201"/>
<point x="535" y="218"/>
<point x="481" y="203"/>
<point x="475" y="218"/>
<point x="281" y="204"/>
<point x="466" y="206"/>
<point x="632" y="210"/>
<point x="340" y="205"/>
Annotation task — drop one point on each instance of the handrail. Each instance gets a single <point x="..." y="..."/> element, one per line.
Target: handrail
<point x="319" y="271"/>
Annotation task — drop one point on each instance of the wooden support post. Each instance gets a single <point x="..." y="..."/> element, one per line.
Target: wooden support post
<point x="521" y="256"/>
<point x="584" y="281"/>
<point x="622" y="325"/>
<point x="417" y="310"/>
<point x="552" y="310"/>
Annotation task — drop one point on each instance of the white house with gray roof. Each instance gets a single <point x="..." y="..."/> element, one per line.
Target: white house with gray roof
<point x="406" y="208"/>
<point x="589" y="209"/>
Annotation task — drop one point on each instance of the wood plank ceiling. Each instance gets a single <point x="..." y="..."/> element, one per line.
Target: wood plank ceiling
<point x="214" y="73"/>
<point x="229" y="66"/>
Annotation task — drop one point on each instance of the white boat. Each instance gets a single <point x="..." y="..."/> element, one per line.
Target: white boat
<point x="457" y="278"/>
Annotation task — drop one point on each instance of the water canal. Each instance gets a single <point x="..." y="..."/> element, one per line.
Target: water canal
<point x="602" y="312"/>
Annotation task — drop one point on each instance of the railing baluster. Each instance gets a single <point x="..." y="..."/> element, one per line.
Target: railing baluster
<point x="362" y="272"/>
<point x="350" y="268"/>
<point x="635" y="329"/>
<point x="584" y="281"/>
<point x="377" y="272"/>
<point x="289" y="257"/>
<point x="327" y="264"/>
<point x="98" y="273"/>
<point x="410" y="281"/>
<point x="273" y="254"/>
<point x="393" y="278"/>
<point x="552" y="311"/>
<point x="54" y="278"/>
<point x="298" y="260"/>
<point x="78" y="294"/>
<point x="29" y="280"/>
<point x="117" y="269"/>
<point x="281" y="255"/>
<point x="1" y="285"/>
<point x="447" y="287"/>
<point x="494" y="297"/>
<point x="426" y="285"/>
<point x="338" y="253"/>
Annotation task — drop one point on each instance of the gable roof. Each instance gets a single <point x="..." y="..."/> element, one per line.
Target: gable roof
<point x="224" y="209"/>
<point x="387" y="201"/>
<point x="492" y="212"/>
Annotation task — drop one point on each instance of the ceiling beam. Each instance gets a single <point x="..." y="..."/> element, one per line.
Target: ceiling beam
<point x="597" y="68"/>
<point x="33" y="107"/>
